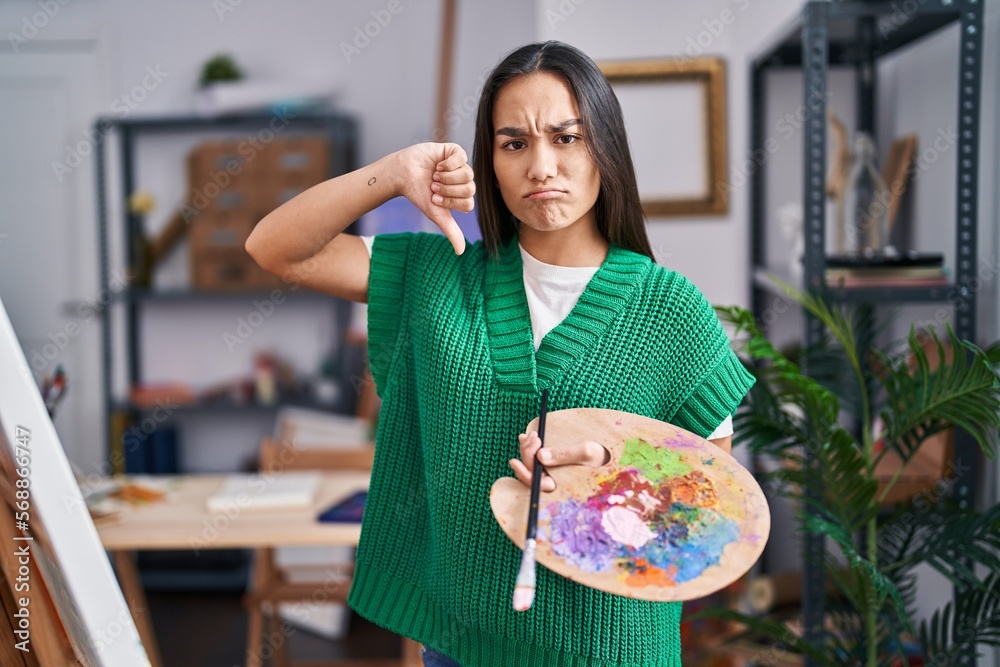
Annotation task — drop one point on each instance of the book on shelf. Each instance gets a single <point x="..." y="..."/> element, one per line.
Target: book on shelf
<point x="886" y="281"/>
<point x="902" y="272"/>
<point x="906" y="270"/>
<point x="907" y="259"/>
<point x="151" y="395"/>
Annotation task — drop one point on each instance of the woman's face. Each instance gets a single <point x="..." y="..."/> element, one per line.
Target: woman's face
<point x="545" y="173"/>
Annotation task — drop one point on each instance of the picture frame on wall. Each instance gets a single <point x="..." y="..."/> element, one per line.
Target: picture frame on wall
<point x="676" y="119"/>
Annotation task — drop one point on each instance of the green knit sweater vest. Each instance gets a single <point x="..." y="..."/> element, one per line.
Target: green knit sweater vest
<point x="453" y="359"/>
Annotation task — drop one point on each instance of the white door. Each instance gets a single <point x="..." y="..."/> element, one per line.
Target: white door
<point x="51" y="89"/>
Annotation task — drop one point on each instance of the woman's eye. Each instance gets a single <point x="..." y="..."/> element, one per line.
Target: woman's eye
<point x="573" y="138"/>
<point x="511" y="143"/>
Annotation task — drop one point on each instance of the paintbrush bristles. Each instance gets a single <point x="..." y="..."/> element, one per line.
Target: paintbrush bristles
<point x="524" y="589"/>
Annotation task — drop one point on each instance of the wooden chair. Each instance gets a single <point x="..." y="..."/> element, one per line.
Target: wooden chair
<point x="271" y="585"/>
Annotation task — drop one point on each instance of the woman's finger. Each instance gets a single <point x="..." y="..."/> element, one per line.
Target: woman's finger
<point x="520" y="472"/>
<point x="457" y="158"/>
<point x="463" y="174"/>
<point x="530" y="443"/>
<point x="464" y="204"/>
<point x="524" y="475"/>
<point x="458" y="191"/>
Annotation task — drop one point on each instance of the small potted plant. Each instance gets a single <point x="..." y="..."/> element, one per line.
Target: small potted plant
<point x="220" y="68"/>
<point x="219" y="75"/>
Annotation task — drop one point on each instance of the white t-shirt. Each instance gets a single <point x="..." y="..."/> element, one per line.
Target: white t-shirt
<point x="552" y="291"/>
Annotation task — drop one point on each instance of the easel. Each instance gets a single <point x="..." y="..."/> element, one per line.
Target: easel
<point x="48" y="643"/>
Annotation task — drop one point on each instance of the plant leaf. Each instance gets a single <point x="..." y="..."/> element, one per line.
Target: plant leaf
<point x="844" y="492"/>
<point x="944" y="536"/>
<point x="964" y="393"/>
<point x="972" y="618"/>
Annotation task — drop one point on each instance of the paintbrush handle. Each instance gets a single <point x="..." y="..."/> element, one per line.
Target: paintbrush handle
<point x="537" y="471"/>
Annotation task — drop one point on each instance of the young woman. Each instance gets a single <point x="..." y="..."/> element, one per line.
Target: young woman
<point x="562" y="293"/>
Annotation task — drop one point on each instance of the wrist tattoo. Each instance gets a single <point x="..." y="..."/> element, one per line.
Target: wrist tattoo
<point x="371" y="181"/>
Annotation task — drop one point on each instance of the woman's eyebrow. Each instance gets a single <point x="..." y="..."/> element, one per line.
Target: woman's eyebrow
<point x="520" y="131"/>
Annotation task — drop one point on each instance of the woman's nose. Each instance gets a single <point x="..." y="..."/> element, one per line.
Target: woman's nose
<point x="543" y="163"/>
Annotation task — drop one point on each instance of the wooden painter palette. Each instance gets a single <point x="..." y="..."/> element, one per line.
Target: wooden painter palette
<point x="671" y="517"/>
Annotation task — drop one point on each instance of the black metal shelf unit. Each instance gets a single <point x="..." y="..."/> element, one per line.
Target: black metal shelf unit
<point x="223" y="569"/>
<point x="341" y="131"/>
<point x="855" y="34"/>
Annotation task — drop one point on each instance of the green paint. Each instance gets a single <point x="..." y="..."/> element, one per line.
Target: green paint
<point x="655" y="463"/>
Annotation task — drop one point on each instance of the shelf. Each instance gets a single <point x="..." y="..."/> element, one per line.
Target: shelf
<point x="189" y="295"/>
<point x="223" y="407"/>
<point x="944" y="293"/>
<point x="894" y="29"/>
<point x="236" y="120"/>
<point x="212" y="570"/>
<point x="854" y="34"/>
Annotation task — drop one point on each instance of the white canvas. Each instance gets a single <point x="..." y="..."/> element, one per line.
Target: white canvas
<point x="77" y="571"/>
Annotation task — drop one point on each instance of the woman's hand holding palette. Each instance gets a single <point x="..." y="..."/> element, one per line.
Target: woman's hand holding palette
<point x="671" y="517"/>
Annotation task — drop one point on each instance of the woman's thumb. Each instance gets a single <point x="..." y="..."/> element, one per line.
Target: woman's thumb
<point x="588" y="452"/>
<point x="451" y="230"/>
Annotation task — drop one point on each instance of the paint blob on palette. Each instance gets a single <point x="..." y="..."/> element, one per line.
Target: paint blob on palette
<point x="670" y="517"/>
<point x="653" y="521"/>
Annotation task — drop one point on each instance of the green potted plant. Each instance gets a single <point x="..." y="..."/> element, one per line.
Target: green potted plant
<point x="222" y="87"/>
<point x="219" y="68"/>
<point x="828" y="469"/>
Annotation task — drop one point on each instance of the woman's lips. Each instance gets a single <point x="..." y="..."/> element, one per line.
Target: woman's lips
<point x="546" y="194"/>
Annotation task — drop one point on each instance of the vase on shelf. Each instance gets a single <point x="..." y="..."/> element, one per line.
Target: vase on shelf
<point x="141" y="270"/>
<point x="140" y="204"/>
<point x="790" y="221"/>
<point x="862" y="215"/>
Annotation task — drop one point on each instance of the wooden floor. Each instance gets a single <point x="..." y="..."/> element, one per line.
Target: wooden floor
<point x="209" y="630"/>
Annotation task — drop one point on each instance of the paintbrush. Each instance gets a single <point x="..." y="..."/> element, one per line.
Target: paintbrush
<point x="524" y="589"/>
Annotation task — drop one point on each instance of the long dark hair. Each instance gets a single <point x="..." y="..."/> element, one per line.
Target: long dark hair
<point x="620" y="219"/>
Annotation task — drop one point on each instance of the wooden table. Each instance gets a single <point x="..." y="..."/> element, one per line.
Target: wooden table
<point x="183" y="521"/>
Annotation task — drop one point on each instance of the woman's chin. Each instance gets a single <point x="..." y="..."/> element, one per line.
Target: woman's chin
<point x="544" y="225"/>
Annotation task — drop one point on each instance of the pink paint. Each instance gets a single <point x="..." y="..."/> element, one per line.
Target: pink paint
<point x="626" y="527"/>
